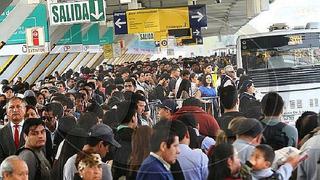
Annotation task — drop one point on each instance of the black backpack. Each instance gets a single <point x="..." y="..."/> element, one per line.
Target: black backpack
<point x="274" y="136"/>
<point x="38" y="171"/>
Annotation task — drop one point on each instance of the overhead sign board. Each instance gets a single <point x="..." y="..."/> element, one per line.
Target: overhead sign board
<point x="77" y="12"/>
<point x="197" y="16"/>
<point x="174" y="18"/>
<point x="155" y="20"/>
<point x="145" y="20"/>
<point x="120" y="23"/>
<point x="146" y="36"/>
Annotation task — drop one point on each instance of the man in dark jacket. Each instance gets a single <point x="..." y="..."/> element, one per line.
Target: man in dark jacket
<point x="128" y="117"/>
<point x="230" y="102"/>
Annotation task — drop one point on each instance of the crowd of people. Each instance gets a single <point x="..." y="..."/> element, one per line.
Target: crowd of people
<point x="96" y="124"/>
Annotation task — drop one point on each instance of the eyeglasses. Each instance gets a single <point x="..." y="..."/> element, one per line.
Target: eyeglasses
<point x="127" y="85"/>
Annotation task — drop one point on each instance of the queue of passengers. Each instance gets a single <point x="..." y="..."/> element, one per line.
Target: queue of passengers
<point x="97" y="124"/>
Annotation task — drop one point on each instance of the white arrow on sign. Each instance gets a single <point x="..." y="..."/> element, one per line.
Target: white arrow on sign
<point x="197" y="32"/>
<point x="96" y="14"/>
<point x="118" y="23"/>
<point x="199" y="16"/>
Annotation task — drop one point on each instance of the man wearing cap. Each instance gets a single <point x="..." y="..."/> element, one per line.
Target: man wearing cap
<point x="167" y="108"/>
<point x="11" y="136"/>
<point x="100" y="140"/>
<point x="249" y="134"/>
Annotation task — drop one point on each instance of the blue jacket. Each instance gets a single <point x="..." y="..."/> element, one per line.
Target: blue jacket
<point x="152" y="168"/>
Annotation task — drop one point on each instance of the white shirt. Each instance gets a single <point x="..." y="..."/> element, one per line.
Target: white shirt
<point x="165" y="164"/>
<point x="19" y="128"/>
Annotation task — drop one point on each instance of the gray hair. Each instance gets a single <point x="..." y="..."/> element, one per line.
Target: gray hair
<point x="6" y="165"/>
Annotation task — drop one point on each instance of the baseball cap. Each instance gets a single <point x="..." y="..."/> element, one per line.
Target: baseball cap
<point x="169" y="104"/>
<point x="247" y="126"/>
<point x="105" y="133"/>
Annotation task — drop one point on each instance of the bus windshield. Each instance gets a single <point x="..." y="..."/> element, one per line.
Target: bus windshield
<point x="281" y="51"/>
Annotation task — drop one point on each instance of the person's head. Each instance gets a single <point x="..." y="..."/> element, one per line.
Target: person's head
<point x="185" y="74"/>
<point x="8" y="92"/>
<point x="164" y="79"/>
<point x="230" y="71"/>
<point x="194" y="78"/>
<point x="14" y="168"/>
<point x="207" y="69"/>
<point x="240" y="72"/>
<point x="89" y="166"/>
<point x="34" y="133"/>
<point x="140" y="101"/>
<point x="248" y="87"/>
<point x="40" y="98"/>
<point x="71" y="83"/>
<point x="307" y="122"/>
<point x="61" y="86"/>
<point x="224" y="162"/>
<point x="31" y="112"/>
<point x="175" y="71"/>
<point x="45" y="92"/>
<point x="229" y="97"/>
<point x="52" y="113"/>
<point x="181" y="130"/>
<point x="272" y="104"/>
<point x="140" y="146"/>
<point x="166" y="109"/>
<point x="141" y="76"/>
<point x="207" y="80"/>
<point x="192" y="102"/>
<point x="80" y="103"/>
<point x="248" y="129"/>
<point x="130" y="85"/>
<point x="262" y="157"/>
<point x="127" y="114"/>
<point x="16" y="110"/>
<point x="101" y="138"/>
<point x="164" y="142"/>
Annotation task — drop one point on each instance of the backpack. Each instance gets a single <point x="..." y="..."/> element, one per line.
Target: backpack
<point x="274" y="136"/>
<point x="38" y="168"/>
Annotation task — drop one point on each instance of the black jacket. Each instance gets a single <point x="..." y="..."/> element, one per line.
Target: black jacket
<point x="121" y="157"/>
<point x="250" y="106"/>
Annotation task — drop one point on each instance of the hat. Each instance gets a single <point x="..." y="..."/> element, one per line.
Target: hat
<point x="29" y="93"/>
<point x="169" y="104"/>
<point x="4" y="82"/>
<point x="249" y="126"/>
<point x="6" y="88"/>
<point x="53" y="89"/>
<point x="105" y="133"/>
<point x="246" y="84"/>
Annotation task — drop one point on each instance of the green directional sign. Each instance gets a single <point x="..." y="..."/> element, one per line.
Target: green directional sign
<point x="72" y="36"/>
<point x="97" y="10"/>
<point x="107" y="38"/>
<point x="91" y="37"/>
<point x="38" y="18"/>
<point x="77" y="12"/>
<point x="6" y="12"/>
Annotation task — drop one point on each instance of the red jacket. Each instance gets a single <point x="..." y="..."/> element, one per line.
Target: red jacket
<point x="208" y="126"/>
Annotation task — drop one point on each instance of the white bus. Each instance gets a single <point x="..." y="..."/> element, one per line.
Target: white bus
<point x="287" y="62"/>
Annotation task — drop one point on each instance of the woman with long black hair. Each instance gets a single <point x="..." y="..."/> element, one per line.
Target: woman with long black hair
<point x="224" y="164"/>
